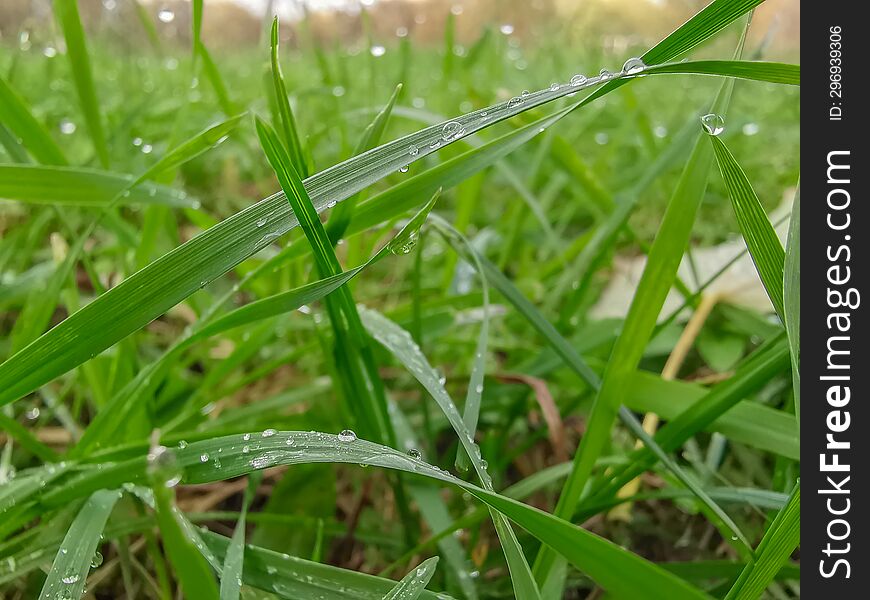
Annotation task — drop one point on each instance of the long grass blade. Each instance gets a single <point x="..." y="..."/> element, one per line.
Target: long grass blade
<point x="761" y="239"/>
<point x="402" y="346"/>
<point x="15" y="115"/>
<point x="777" y="545"/>
<point x="69" y="572"/>
<point x="413" y="584"/>
<point x="288" y="127"/>
<point x="622" y="573"/>
<point x="67" y="12"/>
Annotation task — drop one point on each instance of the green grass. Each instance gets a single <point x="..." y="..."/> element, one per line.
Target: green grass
<point x="215" y="262"/>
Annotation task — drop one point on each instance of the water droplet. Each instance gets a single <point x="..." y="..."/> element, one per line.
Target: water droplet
<point x="415" y="454"/>
<point x="474" y="574"/>
<point x="137" y="141"/>
<point x="377" y="51"/>
<point x="420" y="571"/>
<point x="203" y="457"/>
<point x="484" y="464"/>
<point x="49" y="52"/>
<point x="166" y="15"/>
<point x="97" y="560"/>
<point x="506" y="29"/>
<point x="70" y="578"/>
<point x="633" y="66"/>
<point x="713" y="124"/>
<point x="452" y="130"/>
<point x="578" y="80"/>
<point x="246" y="449"/>
<point x="554" y="87"/>
<point x="750" y="129"/>
<point x="413" y="150"/>
<point x="407" y="246"/>
<point x="271" y="570"/>
<point x="515" y="101"/>
<point x="479" y="388"/>
<point x="162" y="466"/>
<point x="404" y="169"/>
<point x="32" y="414"/>
<point x="601" y="138"/>
<point x="338" y="91"/>
<point x="246" y="437"/>
<point x="268" y="433"/>
<point x="147" y="148"/>
<point x="401" y="32"/>
<point x="660" y="131"/>
<point x="67" y="127"/>
<point x="347" y="435"/>
<point x="604" y="75"/>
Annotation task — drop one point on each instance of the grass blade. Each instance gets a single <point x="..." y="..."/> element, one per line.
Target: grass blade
<point x="74" y="186"/>
<point x="293" y="577"/>
<point x="341" y="216"/>
<point x="15" y="115"/>
<point x="69" y="572"/>
<point x="231" y="576"/>
<point x="288" y="127"/>
<point x="620" y="572"/>
<point x="779" y="541"/>
<point x="742" y="69"/>
<point x="350" y="344"/>
<point x="67" y="12"/>
<point x="413" y="584"/>
<point x="761" y="239"/>
<point x="193" y="572"/>
<point x="400" y="343"/>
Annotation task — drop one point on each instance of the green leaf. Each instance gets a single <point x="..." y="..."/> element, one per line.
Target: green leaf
<point x="742" y="69"/>
<point x="213" y="75"/>
<point x="231" y="576"/>
<point x="619" y="571"/>
<point x="341" y="215"/>
<point x="357" y="370"/>
<point x="294" y="578"/>
<point x="288" y="122"/>
<point x="400" y="343"/>
<point x="69" y="572"/>
<point x="15" y="115"/>
<point x="196" y="146"/>
<point x="413" y="584"/>
<point x="193" y="572"/>
<point x="747" y="422"/>
<point x="75" y="186"/>
<point x="67" y="13"/>
<point x="758" y="233"/>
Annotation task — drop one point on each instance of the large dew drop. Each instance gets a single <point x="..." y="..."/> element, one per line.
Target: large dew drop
<point x="347" y="435"/>
<point x="162" y="466"/>
<point x="578" y="80"/>
<point x="713" y="124"/>
<point x="452" y="130"/>
<point x="633" y="66"/>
